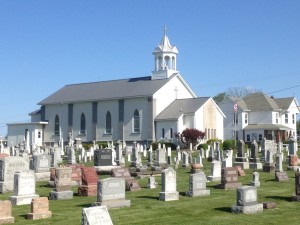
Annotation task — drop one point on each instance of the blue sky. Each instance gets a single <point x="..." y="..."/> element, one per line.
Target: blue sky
<point x="45" y="45"/>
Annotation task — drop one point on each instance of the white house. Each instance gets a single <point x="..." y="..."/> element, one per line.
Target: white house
<point x="258" y="116"/>
<point x="200" y="113"/>
<point x="126" y="109"/>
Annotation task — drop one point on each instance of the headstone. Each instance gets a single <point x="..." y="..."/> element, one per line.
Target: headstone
<point x="215" y="171"/>
<point x="211" y="155"/>
<point x="185" y="159"/>
<point x="169" y="192"/>
<point x="160" y="157"/>
<point x="151" y="183"/>
<point x="89" y="182"/>
<point x="131" y="183"/>
<point x="135" y="158"/>
<point x="269" y="165"/>
<point x="41" y="167"/>
<point x="150" y="157"/>
<point x="255" y="180"/>
<point x="62" y="184"/>
<point x="97" y="215"/>
<point x="229" y="179"/>
<point x="8" y="167"/>
<point x="254" y="159"/>
<point x="6" y="212"/>
<point x="24" y="188"/>
<point x="241" y="160"/>
<point x="280" y="175"/>
<point x="39" y="209"/>
<point x="227" y="161"/>
<point x="293" y="146"/>
<point x="240" y="171"/>
<point x="111" y="193"/>
<point x="296" y="196"/>
<point x="103" y="157"/>
<point x="293" y="163"/>
<point x="247" y="201"/>
<point x="76" y="176"/>
<point x="197" y="185"/>
<point x="71" y="156"/>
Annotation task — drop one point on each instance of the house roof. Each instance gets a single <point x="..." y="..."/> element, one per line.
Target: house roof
<point x="266" y="127"/>
<point x="260" y="102"/>
<point x="284" y="103"/>
<point x="181" y="106"/>
<point x="114" y="89"/>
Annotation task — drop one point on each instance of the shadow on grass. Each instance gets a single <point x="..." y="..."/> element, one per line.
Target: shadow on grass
<point x="23" y="216"/>
<point x="284" y="198"/>
<point x="224" y="209"/>
<point x="148" y="197"/>
<point x="270" y="180"/>
<point x="85" y="205"/>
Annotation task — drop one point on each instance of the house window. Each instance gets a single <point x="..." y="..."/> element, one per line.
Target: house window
<point x="260" y="137"/>
<point x="293" y="118"/>
<point x="276" y="120"/>
<point x="136" y="122"/>
<point x="82" y="124"/>
<point x="163" y="133"/>
<point x="215" y="133"/>
<point x="56" y="125"/>
<point x="171" y="132"/>
<point x="39" y="134"/>
<point x="108" y="123"/>
<point x="208" y="133"/>
<point x="248" y="137"/>
<point x="254" y="136"/>
<point x="286" y="118"/>
<point x="246" y="118"/>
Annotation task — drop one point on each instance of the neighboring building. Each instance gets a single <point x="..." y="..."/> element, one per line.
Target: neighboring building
<point x="126" y="109"/>
<point x="200" y="113"/>
<point x="258" y="116"/>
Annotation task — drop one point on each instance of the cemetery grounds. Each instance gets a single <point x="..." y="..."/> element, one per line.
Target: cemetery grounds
<point x="147" y="209"/>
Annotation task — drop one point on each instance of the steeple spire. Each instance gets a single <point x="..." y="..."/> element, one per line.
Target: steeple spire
<point x="165" y="58"/>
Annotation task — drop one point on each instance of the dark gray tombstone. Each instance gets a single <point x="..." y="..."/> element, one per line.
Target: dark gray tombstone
<point x="103" y="157"/>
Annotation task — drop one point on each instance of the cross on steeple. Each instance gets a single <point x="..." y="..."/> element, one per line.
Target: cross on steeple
<point x="165" y="30"/>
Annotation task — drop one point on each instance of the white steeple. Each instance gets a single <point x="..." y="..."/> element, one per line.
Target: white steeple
<point x="164" y="58"/>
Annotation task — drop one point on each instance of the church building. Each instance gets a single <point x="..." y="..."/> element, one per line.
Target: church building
<point x="142" y="109"/>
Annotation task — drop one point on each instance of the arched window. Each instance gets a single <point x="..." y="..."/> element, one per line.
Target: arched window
<point x="108" y="123"/>
<point x="136" y="122"/>
<point x="56" y="125"/>
<point x="82" y="124"/>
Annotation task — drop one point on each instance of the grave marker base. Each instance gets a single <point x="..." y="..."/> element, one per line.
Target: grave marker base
<point x="37" y="216"/>
<point x="87" y="190"/>
<point x="7" y="220"/>
<point x="22" y="200"/>
<point x="249" y="209"/>
<point x="118" y="203"/>
<point x="62" y="195"/>
<point x="244" y="165"/>
<point x="169" y="196"/>
<point x="281" y="176"/>
<point x="198" y="193"/>
<point x="256" y="166"/>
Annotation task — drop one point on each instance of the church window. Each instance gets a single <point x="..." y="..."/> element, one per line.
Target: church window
<point x="136" y="122"/>
<point x="82" y="124"/>
<point x="56" y="125"/>
<point x="108" y="123"/>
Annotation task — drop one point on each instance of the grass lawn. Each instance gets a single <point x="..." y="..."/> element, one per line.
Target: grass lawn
<point x="147" y="209"/>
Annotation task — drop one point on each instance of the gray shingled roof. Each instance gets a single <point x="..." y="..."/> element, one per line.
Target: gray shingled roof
<point x="181" y="106"/>
<point x="114" y="89"/>
<point x="260" y="102"/>
<point x="284" y="103"/>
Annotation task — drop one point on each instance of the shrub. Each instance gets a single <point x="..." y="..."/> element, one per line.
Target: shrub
<point x="204" y="146"/>
<point x="228" y="144"/>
